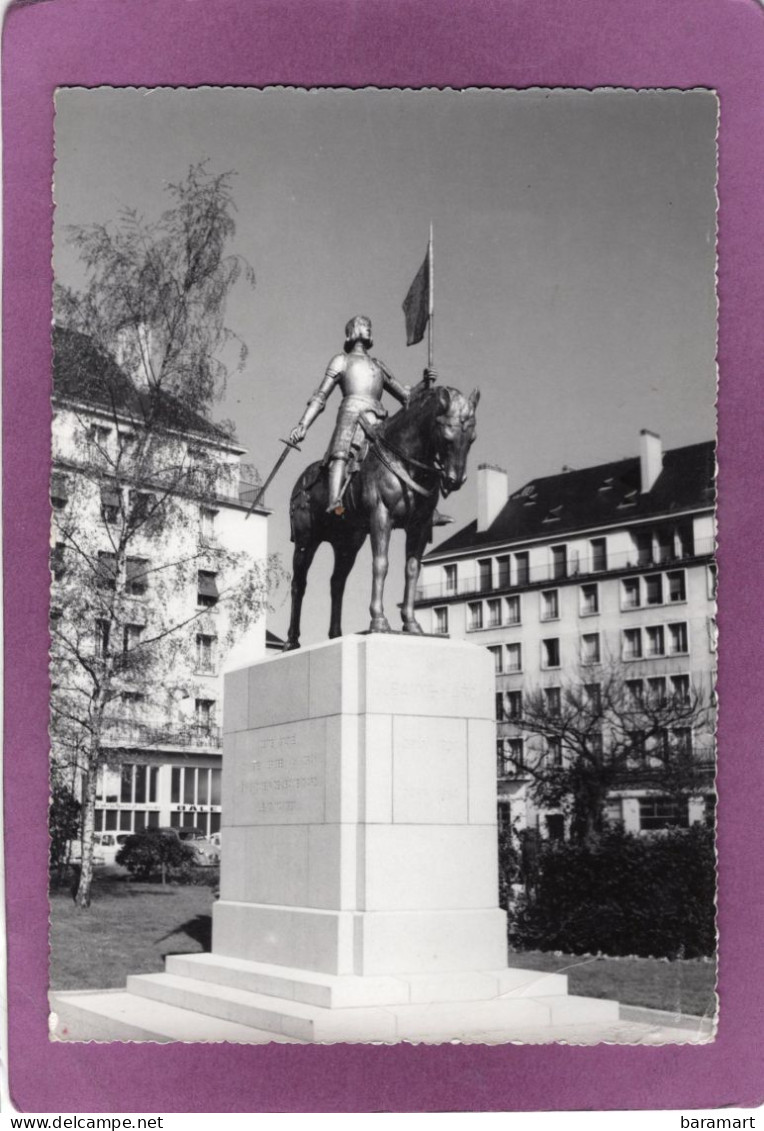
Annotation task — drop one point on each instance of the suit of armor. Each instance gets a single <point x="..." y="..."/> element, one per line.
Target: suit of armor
<point x="362" y="380"/>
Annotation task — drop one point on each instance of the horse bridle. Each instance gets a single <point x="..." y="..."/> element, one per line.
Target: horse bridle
<point x="377" y="442"/>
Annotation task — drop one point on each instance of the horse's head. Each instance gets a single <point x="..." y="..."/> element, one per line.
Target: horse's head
<point x="454" y="435"/>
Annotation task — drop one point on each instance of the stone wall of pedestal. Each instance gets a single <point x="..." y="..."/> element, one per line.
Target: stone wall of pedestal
<point x="359" y="802"/>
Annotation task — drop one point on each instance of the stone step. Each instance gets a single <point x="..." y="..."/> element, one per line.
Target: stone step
<point x="305" y="1022"/>
<point x="115" y="1015"/>
<point x="333" y="991"/>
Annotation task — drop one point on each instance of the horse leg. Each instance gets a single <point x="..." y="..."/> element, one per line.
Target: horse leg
<point x="416" y="540"/>
<point x="381" y="528"/>
<point x="344" y="559"/>
<point x="301" y="562"/>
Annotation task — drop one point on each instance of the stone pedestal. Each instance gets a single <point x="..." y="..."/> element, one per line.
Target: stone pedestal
<point x="359" y="857"/>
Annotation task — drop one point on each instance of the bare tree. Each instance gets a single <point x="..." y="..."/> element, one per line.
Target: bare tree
<point x="599" y="732"/>
<point x="136" y="578"/>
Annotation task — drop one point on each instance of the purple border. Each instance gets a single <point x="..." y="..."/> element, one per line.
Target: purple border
<point x="514" y="43"/>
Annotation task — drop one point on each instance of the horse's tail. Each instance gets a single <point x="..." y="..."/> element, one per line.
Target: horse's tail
<point x="303" y="505"/>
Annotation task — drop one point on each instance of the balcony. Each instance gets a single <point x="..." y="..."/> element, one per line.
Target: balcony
<point x="155" y="734"/>
<point x="475" y="584"/>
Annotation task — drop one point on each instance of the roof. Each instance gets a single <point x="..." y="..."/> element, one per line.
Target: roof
<point x="607" y="494"/>
<point x="85" y="373"/>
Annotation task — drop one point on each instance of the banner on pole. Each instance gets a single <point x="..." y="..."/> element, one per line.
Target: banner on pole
<point x="416" y="304"/>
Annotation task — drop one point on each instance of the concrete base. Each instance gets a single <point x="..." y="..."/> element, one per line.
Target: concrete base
<point x="359" y="875"/>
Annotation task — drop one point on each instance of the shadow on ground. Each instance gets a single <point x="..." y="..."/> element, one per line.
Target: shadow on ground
<point x="198" y="929"/>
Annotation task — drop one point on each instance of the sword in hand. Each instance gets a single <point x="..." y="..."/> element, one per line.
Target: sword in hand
<point x="289" y="445"/>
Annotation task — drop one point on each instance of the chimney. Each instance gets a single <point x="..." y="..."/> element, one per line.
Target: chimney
<point x="492" y="493"/>
<point x="650" y="459"/>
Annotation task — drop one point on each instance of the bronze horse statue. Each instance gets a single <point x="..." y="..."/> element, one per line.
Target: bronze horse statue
<point x="413" y="456"/>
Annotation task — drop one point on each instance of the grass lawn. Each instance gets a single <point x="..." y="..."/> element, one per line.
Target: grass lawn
<point x="130" y="928"/>
<point x="683" y="986"/>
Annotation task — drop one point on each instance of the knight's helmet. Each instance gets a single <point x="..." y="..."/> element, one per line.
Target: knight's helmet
<point x="358" y="329"/>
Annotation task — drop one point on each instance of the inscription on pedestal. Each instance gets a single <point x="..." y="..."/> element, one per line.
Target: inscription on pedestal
<point x="282" y="780"/>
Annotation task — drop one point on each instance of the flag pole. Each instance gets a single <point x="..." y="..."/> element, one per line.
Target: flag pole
<point x="430" y="280"/>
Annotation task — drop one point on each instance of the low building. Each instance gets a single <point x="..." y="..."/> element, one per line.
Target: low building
<point x="161" y="739"/>
<point x="601" y="566"/>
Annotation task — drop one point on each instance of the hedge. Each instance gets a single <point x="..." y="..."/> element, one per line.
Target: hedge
<point x="651" y="896"/>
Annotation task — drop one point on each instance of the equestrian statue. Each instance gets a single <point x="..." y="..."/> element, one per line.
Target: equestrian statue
<point x="378" y="474"/>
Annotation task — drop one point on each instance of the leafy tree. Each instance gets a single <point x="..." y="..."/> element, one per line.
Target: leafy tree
<point x="63" y="823"/>
<point x="601" y="731"/>
<point x="137" y="366"/>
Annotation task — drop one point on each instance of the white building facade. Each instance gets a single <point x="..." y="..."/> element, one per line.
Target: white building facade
<point x="577" y="573"/>
<point x="162" y="739"/>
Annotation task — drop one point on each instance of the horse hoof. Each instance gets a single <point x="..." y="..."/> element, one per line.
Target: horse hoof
<point x="291" y="646"/>
<point x="379" y="624"/>
<point x="413" y="627"/>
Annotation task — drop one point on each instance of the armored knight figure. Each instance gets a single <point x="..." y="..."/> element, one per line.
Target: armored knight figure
<point x="362" y="380"/>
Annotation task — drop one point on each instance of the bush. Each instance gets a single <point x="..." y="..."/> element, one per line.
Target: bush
<point x="64" y="826"/>
<point x="651" y="896"/>
<point x="154" y="856"/>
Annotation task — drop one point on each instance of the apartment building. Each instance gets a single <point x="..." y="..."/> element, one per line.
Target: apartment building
<point x="161" y="741"/>
<point x="608" y="567"/>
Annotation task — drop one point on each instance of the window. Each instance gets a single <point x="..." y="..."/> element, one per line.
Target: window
<point x="131" y="636"/>
<point x="484" y="574"/>
<point x="142" y="504"/>
<point x="643" y="545"/>
<point x="106" y="570"/>
<point x="59" y="491"/>
<point x="683" y="741"/>
<point x="596" y="745"/>
<point x="632" y="644"/>
<point x="559" y="562"/>
<point x="636" y="741"/>
<point x="136" y="580"/>
<point x="514" y="657"/>
<point x="656" y="689"/>
<point x="680" y="688"/>
<point x="496" y="651"/>
<point x="552" y="700"/>
<point x="711" y="580"/>
<point x="502" y="572"/>
<point x="57" y="560"/>
<point x="450" y="572"/>
<point x="512" y="610"/>
<point x="499" y="702"/>
<point x="677" y="639"/>
<point x="205" y="652"/>
<point x="98" y="439"/>
<point x="204" y="713"/>
<point x="494" y="613"/>
<point x="599" y="554"/>
<point x="475" y="616"/>
<point x="554" y="751"/>
<point x="550" y="653"/>
<point x="593" y="697"/>
<point x="685" y="537"/>
<point x="138" y="785"/>
<point x="590" y="600"/>
<point x="516" y="754"/>
<point x="440" y="620"/>
<point x="550" y="604"/>
<point x="676" y="586"/>
<point x="654" y="589"/>
<point x="662" y="813"/>
<point x="514" y="705"/>
<point x="655" y="642"/>
<point x="712" y="633"/>
<point x="630" y="593"/>
<point x="590" y="648"/>
<point x="110" y="504"/>
<point x="207" y="588"/>
<point x="522" y="569"/>
<point x="634" y="692"/>
<point x="555" y="826"/>
<point x="102" y="632"/>
<point x="134" y="699"/>
<point x="207" y="518"/>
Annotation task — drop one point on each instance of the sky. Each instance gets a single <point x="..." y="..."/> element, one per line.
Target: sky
<point x="574" y="259"/>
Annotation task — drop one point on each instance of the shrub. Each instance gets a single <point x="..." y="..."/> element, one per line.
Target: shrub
<point x="64" y="826"/>
<point x="652" y="896"/>
<point x="152" y="856"/>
